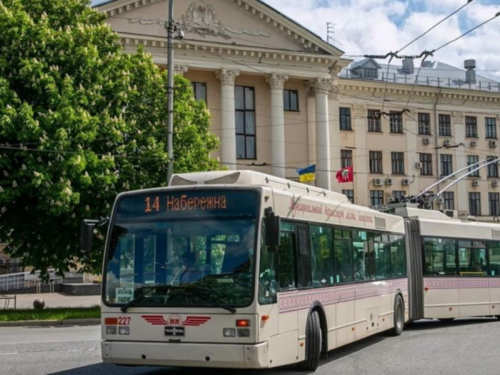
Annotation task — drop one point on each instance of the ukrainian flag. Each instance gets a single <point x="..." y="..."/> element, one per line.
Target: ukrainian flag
<point x="307" y="174"/>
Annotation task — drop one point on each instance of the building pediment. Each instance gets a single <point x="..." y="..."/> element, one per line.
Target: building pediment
<point x="248" y="23"/>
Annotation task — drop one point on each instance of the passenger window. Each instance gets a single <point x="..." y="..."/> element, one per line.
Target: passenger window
<point x="472" y="258"/>
<point x="286" y="259"/>
<point x="322" y="265"/>
<point x="343" y="256"/>
<point x="362" y="256"/>
<point x="382" y="246"/>
<point x="267" y="273"/>
<point x="440" y="257"/>
<point x="304" y="261"/>
<point x="494" y="255"/>
<point x="398" y="256"/>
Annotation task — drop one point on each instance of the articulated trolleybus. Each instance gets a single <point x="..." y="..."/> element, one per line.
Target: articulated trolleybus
<point x="245" y="270"/>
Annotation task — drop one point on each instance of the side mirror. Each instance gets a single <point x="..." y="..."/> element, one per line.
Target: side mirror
<point x="87" y="234"/>
<point x="273" y="228"/>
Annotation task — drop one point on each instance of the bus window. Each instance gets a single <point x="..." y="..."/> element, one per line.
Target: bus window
<point x="494" y="255"/>
<point x="440" y="257"/>
<point x="322" y="265"/>
<point x="472" y="258"/>
<point x="398" y="256"/>
<point x="286" y="257"/>
<point x="382" y="246"/>
<point x="267" y="273"/>
<point x="304" y="261"/>
<point x="343" y="256"/>
<point x="361" y="254"/>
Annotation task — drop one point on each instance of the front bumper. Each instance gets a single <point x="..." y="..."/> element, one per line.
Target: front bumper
<point x="186" y="355"/>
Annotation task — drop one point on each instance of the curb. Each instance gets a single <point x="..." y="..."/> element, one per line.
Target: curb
<point x="52" y="323"/>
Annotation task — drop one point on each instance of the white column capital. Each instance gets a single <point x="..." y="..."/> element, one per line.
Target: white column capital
<point x="179" y="70"/>
<point x="227" y="76"/>
<point x="458" y="117"/>
<point x="277" y="81"/>
<point x="323" y="85"/>
<point x="359" y="110"/>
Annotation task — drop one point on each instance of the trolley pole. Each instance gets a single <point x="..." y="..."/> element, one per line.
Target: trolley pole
<point x="170" y="89"/>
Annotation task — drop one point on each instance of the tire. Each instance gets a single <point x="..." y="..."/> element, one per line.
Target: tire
<point x="399" y="317"/>
<point x="313" y="343"/>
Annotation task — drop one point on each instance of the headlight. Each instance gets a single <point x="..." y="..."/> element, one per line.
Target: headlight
<point x="124" y="330"/>
<point x="243" y="332"/>
<point x="229" y="332"/>
<point x="110" y="330"/>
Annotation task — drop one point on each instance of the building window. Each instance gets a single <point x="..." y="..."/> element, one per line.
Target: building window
<point x="199" y="91"/>
<point x="291" y="100"/>
<point x="471" y="160"/>
<point x="449" y="200"/>
<point x="493" y="167"/>
<point x="349" y="194"/>
<point x="445" y="125"/>
<point x="370" y="73"/>
<point x="424" y="124"/>
<point x="345" y="118"/>
<point x="376" y="162"/>
<point x="396" y="122"/>
<point x="494" y="199"/>
<point x="470" y="127"/>
<point x="398" y="195"/>
<point x="491" y="127"/>
<point x="398" y="162"/>
<point x="475" y="204"/>
<point x="446" y="164"/>
<point x="346" y="158"/>
<point x="374" y="123"/>
<point x="245" y="122"/>
<point x="376" y="197"/>
<point x="426" y="164"/>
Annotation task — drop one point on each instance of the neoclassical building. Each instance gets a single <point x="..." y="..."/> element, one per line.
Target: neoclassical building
<point x="282" y="98"/>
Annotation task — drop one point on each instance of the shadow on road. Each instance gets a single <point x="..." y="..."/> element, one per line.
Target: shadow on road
<point x="422" y="325"/>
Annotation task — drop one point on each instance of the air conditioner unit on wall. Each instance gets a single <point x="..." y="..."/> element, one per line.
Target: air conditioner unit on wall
<point x="494" y="183"/>
<point x="405" y="181"/>
<point x="377" y="181"/>
<point x="447" y="142"/>
<point x="418" y="165"/>
<point x="493" y="144"/>
<point x="427" y="141"/>
<point x="388" y="181"/>
<point x="473" y="143"/>
<point x="475" y="182"/>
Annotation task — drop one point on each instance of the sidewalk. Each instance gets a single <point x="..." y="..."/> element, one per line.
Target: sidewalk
<point x="25" y="301"/>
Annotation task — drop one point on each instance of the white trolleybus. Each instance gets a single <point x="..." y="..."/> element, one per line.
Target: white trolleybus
<point x="246" y="270"/>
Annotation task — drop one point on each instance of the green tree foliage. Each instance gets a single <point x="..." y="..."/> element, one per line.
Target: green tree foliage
<point x="80" y="121"/>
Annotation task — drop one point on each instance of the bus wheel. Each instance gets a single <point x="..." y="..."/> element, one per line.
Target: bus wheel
<point x="399" y="316"/>
<point x="313" y="343"/>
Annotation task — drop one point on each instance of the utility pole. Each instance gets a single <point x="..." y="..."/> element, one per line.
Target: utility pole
<point x="170" y="89"/>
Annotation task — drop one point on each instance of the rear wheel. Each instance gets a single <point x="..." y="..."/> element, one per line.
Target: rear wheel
<point x="399" y="316"/>
<point x="313" y="343"/>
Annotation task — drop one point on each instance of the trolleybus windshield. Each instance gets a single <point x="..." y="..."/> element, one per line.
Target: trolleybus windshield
<point x="183" y="249"/>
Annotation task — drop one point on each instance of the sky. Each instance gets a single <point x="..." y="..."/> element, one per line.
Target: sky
<point x="380" y="26"/>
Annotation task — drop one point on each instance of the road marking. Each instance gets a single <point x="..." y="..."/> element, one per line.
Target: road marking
<point x="13" y="353"/>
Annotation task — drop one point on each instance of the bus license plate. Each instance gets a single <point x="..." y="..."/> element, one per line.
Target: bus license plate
<point x="174" y="331"/>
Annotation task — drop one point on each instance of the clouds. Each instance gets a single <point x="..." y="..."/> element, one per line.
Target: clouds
<point x="380" y="26"/>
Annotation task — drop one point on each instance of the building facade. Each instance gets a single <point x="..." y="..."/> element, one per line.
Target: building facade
<point x="281" y="98"/>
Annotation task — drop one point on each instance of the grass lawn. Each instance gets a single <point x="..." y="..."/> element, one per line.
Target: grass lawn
<point x="50" y="314"/>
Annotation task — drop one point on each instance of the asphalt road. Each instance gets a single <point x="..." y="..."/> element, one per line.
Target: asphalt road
<point x="461" y="347"/>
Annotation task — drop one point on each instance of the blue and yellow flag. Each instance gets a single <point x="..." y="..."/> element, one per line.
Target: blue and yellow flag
<point x="307" y="174"/>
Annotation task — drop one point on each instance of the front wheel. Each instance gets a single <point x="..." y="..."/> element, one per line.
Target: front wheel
<point x="313" y="343"/>
<point x="399" y="316"/>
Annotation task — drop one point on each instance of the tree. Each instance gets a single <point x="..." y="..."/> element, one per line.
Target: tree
<point x="80" y="121"/>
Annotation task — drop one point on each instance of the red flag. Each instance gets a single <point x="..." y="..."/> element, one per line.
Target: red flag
<point x="345" y="175"/>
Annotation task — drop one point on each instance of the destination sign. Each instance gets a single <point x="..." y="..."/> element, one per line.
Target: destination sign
<point x="197" y="203"/>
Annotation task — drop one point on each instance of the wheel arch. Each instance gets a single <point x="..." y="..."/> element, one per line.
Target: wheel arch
<point x="318" y="307"/>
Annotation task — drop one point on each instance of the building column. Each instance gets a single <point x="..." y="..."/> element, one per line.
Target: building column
<point x="322" y="87"/>
<point x="277" y="82"/>
<point x="311" y="123"/>
<point x="180" y="70"/>
<point x="412" y="157"/>
<point x="334" y="133"/>
<point x="360" y="157"/>
<point x="228" y="117"/>
<point x="458" y="129"/>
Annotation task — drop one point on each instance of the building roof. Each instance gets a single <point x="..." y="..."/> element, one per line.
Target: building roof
<point x="432" y="73"/>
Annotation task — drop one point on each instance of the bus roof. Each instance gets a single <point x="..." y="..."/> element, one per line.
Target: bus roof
<point x="252" y="178"/>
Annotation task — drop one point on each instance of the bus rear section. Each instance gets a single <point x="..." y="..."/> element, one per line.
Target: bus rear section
<point x="249" y="275"/>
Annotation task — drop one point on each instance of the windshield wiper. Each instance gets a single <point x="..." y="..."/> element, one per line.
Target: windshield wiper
<point x="207" y="299"/>
<point x="139" y="298"/>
